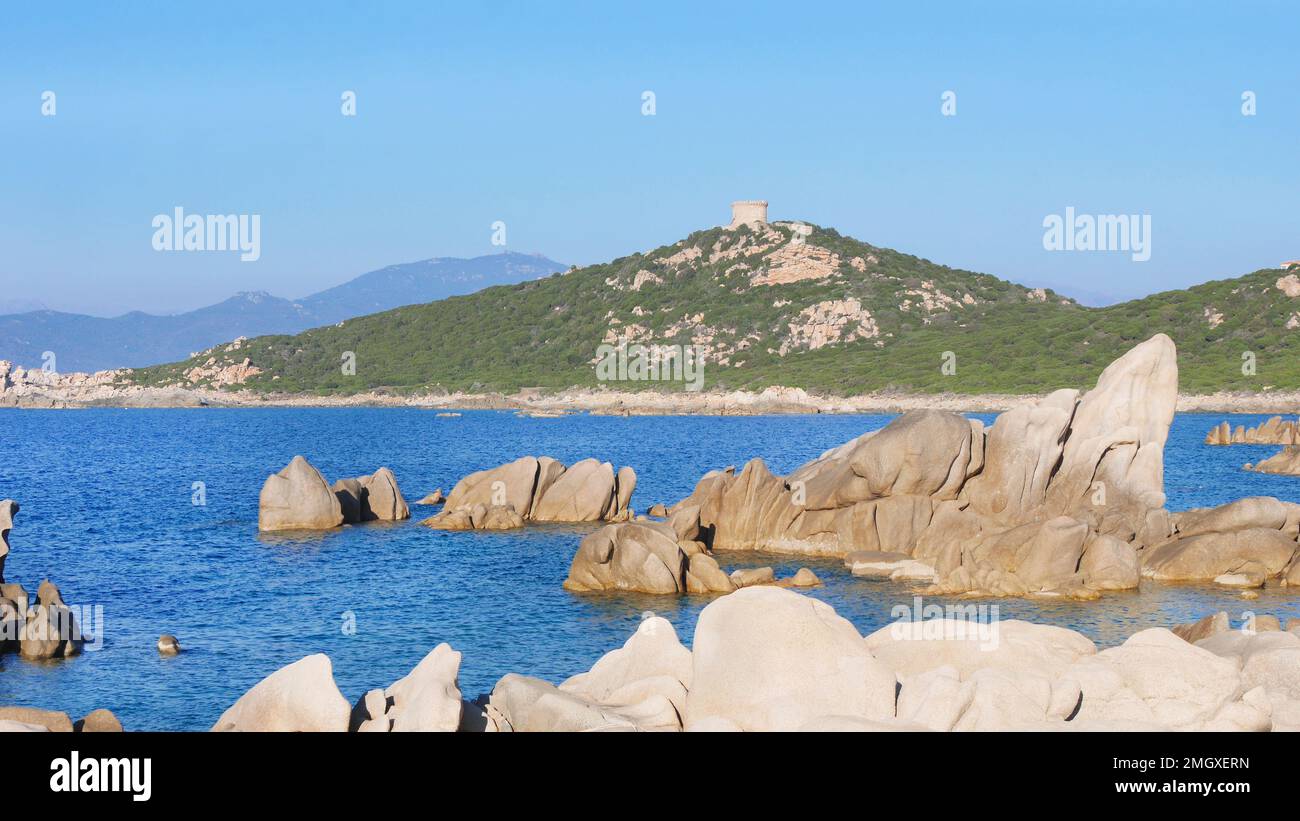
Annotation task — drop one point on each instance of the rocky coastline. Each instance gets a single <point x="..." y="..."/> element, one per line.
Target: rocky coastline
<point x="1059" y="498"/>
<point x="35" y="389"/>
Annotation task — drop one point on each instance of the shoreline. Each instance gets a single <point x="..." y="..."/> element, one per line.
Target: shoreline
<point x="774" y="400"/>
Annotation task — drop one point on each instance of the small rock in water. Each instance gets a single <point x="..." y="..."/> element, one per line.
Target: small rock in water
<point x="168" y="645"/>
<point x="804" y="578"/>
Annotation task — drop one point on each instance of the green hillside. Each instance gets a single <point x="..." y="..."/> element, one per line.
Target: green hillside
<point x="771" y="306"/>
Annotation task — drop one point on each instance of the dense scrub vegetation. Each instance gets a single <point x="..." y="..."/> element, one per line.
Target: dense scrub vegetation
<point x="1004" y="337"/>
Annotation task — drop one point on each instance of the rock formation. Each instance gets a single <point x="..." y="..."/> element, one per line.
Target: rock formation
<point x="168" y="645"/>
<point x="8" y="508"/>
<point x="1274" y="431"/>
<point x="51" y="629"/>
<point x="47" y="629"/>
<point x="640" y="686"/>
<point x="301" y="697"/>
<point x="766" y="658"/>
<point x="647" y="557"/>
<point x="1064" y="497"/>
<point x="537" y="489"/>
<point x="435" y="498"/>
<point x="371" y="498"/>
<point x="298" y="498"/>
<point x="1286" y="461"/>
<point x="1253" y="537"/>
<point x="426" y="700"/>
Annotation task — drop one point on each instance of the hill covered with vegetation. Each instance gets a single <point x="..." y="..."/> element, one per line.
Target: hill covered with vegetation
<point x="778" y="304"/>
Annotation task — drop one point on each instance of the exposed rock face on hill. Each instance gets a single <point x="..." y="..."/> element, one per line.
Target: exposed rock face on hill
<point x="1275" y="431"/>
<point x="537" y="489"/>
<point x="1061" y="497"/>
<point x="1285" y="461"/>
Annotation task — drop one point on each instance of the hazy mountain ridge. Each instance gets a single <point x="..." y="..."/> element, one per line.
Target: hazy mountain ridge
<point x="137" y="339"/>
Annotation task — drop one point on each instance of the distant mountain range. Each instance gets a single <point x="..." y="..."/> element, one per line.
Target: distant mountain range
<point x="783" y="304"/>
<point x="136" y="339"/>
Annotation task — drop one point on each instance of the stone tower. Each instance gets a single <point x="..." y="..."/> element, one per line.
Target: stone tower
<point x="748" y="212"/>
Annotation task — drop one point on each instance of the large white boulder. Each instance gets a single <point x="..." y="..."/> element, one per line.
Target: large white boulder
<point x="766" y="658"/>
<point x="1157" y="678"/>
<point x="301" y="697"/>
<point x="427" y="699"/>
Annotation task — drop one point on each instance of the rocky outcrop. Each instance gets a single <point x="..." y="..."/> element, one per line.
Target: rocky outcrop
<point x="770" y="659"/>
<point x="50" y="630"/>
<point x="1013" y="510"/>
<point x="50" y="720"/>
<point x="1274" y="431"/>
<point x="1286" y="462"/>
<point x="47" y="629"/>
<point x="767" y="658"/>
<point x="1062" y="497"/>
<point x="298" y="498"/>
<point x="1156" y="679"/>
<point x="435" y="498"/>
<point x="8" y="508"/>
<point x="98" y="721"/>
<point x="640" y="686"/>
<point x="426" y="700"/>
<point x="1253" y="537"/>
<point x="1211" y="625"/>
<point x="301" y="697"/>
<point x="645" y="557"/>
<point x="371" y="498"/>
<point x="537" y="489"/>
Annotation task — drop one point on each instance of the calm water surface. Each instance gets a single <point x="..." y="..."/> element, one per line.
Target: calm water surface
<point x="107" y="514"/>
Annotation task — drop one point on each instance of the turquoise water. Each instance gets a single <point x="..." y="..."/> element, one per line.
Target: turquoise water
<point x="107" y="514"/>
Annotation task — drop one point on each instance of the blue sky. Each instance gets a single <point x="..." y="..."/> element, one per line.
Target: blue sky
<point x="530" y="113"/>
